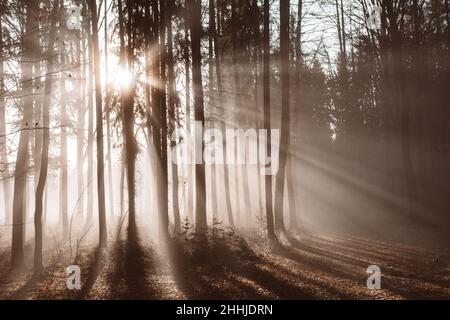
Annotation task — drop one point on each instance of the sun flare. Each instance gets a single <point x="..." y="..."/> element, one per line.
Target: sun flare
<point x="123" y="78"/>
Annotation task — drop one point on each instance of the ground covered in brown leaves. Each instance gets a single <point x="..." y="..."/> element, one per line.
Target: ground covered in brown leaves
<point x="224" y="265"/>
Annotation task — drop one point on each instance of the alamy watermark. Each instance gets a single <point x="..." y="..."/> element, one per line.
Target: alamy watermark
<point x="73" y="21"/>
<point x="73" y="281"/>
<point x="374" y="18"/>
<point x="207" y="146"/>
<point x="374" y="280"/>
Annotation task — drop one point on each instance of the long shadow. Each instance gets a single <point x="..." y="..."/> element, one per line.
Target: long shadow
<point x="400" y="265"/>
<point x="131" y="270"/>
<point x="328" y="289"/>
<point x="30" y="286"/>
<point x="5" y="268"/>
<point x="224" y="271"/>
<point x="315" y="263"/>
<point x="404" y="263"/>
<point x="370" y="245"/>
<point x="94" y="268"/>
<point x="395" y="286"/>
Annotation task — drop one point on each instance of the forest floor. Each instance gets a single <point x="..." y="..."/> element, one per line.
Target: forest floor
<point x="227" y="266"/>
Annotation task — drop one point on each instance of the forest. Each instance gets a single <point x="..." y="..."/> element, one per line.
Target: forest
<point x="224" y="149"/>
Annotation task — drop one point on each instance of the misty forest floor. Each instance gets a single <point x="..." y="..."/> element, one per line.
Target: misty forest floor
<point x="227" y="266"/>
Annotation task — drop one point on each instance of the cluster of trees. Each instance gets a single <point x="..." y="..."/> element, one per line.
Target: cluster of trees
<point x="383" y="93"/>
<point x="389" y="102"/>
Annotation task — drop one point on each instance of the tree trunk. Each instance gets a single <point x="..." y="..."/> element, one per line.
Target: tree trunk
<point x="285" y="117"/>
<point x="164" y="229"/>
<point x="173" y="115"/>
<point x="223" y="125"/>
<point x="80" y="130"/>
<point x="195" y="9"/>
<point x="21" y="170"/>
<point x="41" y="187"/>
<point x="190" y="183"/>
<point x="338" y="22"/>
<point x="298" y="41"/>
<point x="403" y="102"/>
<point x="290" y="176"/>
<point x="99" y="118"/>
<point x="90" y="147"/>
<point x="227" y="179"/>
<point x="4" y="167"/>
<point x="267" y="125"/>
<point x="237" y="98"/>
<point x="127" y="106"/>
<point x="257" y="62"/>
<point x="63" y="214"/>
<point x="108" y="117"/>
<point x="213" y="166"/>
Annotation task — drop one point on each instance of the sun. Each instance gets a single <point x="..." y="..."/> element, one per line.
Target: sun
<point x="123" y="78"/>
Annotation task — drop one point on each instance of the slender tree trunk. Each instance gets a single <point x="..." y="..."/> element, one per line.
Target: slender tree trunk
<point x="403" y="101"/>
<point x="37" y="120"/>
<point x="80" y="129"/>
<point x="213" y="167"/>
<point x="195" y="9"/>
<point x="298" y="42"/>
<point x="237" y="97"/>
<point x="4" y="168"/>
<point x="130" y="141"/>
<point x="41" y="186"/>
<point x="244" y="62"/>
<point x="122" y="190"/>
<point x="21" y="170"/>
<point x="338" y="22"/>
<point x="298" y="85"/>
<point x="173" y="115"/>
<point x="99" y="118"/>
<point x="285" y="117"/>
<point x="227" y="179"/>
<point x="108" y="116"/>
<point x="45" y="209"/>
<point x="164" y="206"/>
<point x="290" y="176"/>
<point x="90" y="147"/>
<point x="257" y="62"/>
<point x="190" y="183"/>
<point x="344" y="37"/>
<point x="63" y="214"/>
<point x="223" y="125"/>
<point x="267" y="125"/>
<point x="127" y="104"/>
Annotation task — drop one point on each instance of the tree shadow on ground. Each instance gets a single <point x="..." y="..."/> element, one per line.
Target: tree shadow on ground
<point x="403" y="271"/>
<point x="32" y="285"/>
<point x="227" y="268"/>
<point x="94" y="268"/>
<point x="129" y="277"/>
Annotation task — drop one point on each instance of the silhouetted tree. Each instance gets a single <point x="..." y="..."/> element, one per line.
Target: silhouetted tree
<point x="99" y="127"/>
